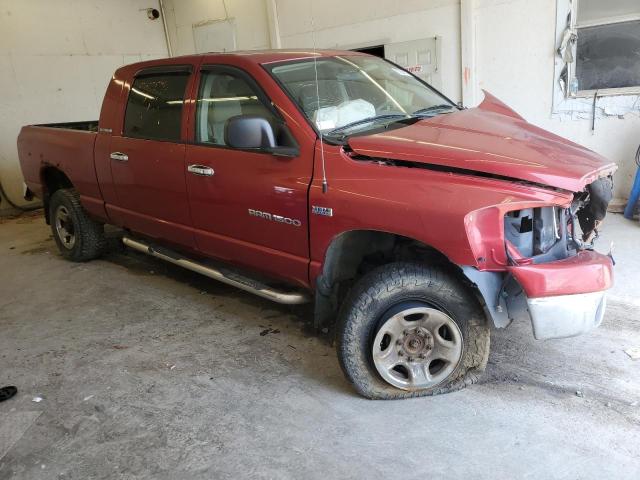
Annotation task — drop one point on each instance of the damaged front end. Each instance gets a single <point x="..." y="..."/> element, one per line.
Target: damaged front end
<point x="591" y="206"/>
<point x="543" y="234"/>
<point x="553" y="276"/>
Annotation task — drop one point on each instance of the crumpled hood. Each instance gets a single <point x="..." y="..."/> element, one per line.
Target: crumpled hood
<point x="492" y="139"/>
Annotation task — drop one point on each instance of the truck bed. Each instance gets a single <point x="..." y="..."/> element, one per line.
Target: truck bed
<point x="69" y="147"/>
<point x="87" y="126"/>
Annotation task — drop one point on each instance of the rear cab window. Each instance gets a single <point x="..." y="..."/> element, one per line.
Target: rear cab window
<point x="155" y="104"/>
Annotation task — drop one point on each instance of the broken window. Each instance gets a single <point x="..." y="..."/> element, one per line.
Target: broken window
<point x="606" y="40"/>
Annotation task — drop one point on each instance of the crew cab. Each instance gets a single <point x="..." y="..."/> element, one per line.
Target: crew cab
<point x="413" y="225"/>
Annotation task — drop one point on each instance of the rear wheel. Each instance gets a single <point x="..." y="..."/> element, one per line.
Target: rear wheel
<point x="79" y="238"/>
<point x="409" y="330"/>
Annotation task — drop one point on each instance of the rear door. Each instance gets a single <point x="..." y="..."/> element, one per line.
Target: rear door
<point x="148" y="157"/>
<point x="248" y="206"/>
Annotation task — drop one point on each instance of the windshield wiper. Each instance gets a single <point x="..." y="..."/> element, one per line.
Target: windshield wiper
<point x="435" y="109"/>
<point x="367" y="120"/>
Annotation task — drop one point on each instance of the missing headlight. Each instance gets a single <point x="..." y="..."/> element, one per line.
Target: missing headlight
<point x="538" y="233"/>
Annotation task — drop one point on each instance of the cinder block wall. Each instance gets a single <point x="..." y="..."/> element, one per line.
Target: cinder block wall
<point x="56" y="58"/>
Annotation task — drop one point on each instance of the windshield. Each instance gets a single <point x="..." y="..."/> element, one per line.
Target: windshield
<point x="355" y="93"/>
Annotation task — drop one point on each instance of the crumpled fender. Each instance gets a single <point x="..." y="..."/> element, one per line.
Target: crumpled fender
<point x="493" y="104"/>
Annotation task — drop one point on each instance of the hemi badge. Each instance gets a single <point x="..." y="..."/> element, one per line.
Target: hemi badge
<point x="326" y="211"/>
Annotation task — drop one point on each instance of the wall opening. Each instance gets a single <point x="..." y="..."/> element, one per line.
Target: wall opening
<point x="377" y="51"/>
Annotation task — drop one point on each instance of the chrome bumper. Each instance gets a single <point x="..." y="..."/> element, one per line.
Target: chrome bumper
<point x="566" y="315"/>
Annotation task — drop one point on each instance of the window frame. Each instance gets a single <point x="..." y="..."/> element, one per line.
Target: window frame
<point x="253" y="84"/>
<point x="186" y="70"/>
<point x="571" y="67"/>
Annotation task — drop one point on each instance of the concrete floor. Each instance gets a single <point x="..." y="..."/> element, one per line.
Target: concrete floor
<point x="148" y="371"/>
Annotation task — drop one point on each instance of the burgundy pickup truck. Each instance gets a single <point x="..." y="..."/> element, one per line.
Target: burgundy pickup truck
<point x="414" y="225"/>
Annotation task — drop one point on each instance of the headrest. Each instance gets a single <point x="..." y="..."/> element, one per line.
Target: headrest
<point x="238" y="87"/>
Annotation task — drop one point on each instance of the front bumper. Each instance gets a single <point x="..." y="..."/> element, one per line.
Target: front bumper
<point x="561" y="299"/>
<point x="566" y="297"/>
<point x="566" y="315"/>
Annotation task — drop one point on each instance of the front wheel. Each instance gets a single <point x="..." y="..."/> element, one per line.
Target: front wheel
<point x="79" y="238"/>
<point x="409" y="330"/>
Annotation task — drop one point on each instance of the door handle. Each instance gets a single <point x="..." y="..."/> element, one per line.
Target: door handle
<point x="201" y="170"/>
<point x="121" y="157"/>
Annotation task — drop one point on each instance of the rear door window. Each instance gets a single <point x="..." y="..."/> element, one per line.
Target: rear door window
<point x="154" y="107"/>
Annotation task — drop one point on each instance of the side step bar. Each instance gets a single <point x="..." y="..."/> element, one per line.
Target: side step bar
<point x="228" y="277"/>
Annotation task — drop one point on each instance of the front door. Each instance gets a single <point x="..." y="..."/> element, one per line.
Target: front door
<point x="148" y="159"/>
<point x="248" y="207"/>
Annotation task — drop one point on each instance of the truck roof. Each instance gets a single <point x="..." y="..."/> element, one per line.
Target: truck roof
<point x="254" y="56"/>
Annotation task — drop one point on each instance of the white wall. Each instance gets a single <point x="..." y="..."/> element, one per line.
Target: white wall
<point x="514" y="57"/>
<point x="515" y="60"/>
<point x="56" y="58"/>
<point x="351" y="24"/>
<point x="249" y="16"/>
<point x="334" y="23"/>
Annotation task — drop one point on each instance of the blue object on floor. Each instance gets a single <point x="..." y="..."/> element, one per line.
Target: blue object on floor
<point x="635" y="192"/>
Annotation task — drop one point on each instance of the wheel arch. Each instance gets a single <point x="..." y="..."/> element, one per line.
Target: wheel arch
<point x="352" y="253"/>
<point x="53" y="179"/>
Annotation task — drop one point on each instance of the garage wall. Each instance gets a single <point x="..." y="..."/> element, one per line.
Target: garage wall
<point x="515" y="60"/>
<point x="56" y="58"/>
<point x="78" y="43"/>
<point x="514" y="50"/>
<point x="361" y="23"/>
<point x="249" y="17"/>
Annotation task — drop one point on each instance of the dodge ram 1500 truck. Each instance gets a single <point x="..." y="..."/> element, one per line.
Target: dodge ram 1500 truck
<point x="334" y="177"/>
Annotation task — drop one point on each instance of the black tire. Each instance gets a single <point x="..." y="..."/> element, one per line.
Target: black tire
<point x="387" y="287"/>
<point x="88" y="235"/>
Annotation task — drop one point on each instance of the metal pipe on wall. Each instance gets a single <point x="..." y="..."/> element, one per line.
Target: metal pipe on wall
<point x="166" y="30"/>
<point x="468" y="52"/>
<point x="274" y="25"/>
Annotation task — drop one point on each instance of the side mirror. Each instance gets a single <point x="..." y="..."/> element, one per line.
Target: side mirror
<point x="253" y="132"/>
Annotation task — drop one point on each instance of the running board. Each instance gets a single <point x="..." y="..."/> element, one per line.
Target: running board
<point x="230" y="278"/>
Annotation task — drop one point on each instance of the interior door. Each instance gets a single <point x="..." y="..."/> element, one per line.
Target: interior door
<point x="217" y="36"/>
<point x="249" y="207"/>
<point x="148" y="159"/>
<point x="420" y="57"/>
